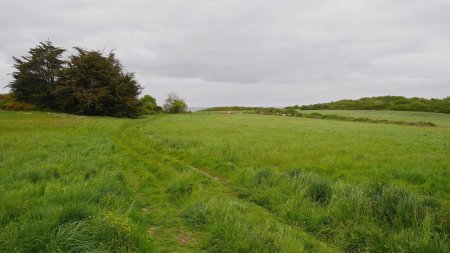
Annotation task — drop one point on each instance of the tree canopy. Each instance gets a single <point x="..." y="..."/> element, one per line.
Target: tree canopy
<point x="87" y="82"/>
<point x="95" y="84"/>
<point x="149" y="105"/>
<point x="174" y="104"/>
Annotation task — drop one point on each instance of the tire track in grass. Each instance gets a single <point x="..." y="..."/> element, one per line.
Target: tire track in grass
<point x="225" y="187"/>
<point x="166" y="230"/>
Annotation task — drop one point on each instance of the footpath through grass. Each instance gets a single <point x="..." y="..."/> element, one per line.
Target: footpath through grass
<point x="77" y="184"/>
<point x="221" y="183"/>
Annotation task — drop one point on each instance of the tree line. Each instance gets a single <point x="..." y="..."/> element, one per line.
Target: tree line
<point x="88" y="82"/>
<point x="394" y="103"/>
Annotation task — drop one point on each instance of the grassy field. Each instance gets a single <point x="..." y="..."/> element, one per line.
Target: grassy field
<point x="442" y="120"/>
<point x="209" y="182"/>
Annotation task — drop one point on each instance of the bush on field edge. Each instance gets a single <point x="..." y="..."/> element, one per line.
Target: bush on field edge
<point x="8" y="102"/>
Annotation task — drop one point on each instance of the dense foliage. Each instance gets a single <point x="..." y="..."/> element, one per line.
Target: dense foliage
<point x="10" y="103"/>
<point x="94" y="84"/>
<point x="88" y="83"/>
<point x="37" y="74"/>
<point x="394" y="103"/>
<point x="149" y="105"/>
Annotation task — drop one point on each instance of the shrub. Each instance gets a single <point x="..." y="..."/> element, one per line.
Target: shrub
<point x="10" y="103"/>
<point x="174" y="104"/>
<point x="149" y="106"/>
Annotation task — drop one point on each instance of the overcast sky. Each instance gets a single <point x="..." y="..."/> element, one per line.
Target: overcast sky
<point x="249" y="52"/>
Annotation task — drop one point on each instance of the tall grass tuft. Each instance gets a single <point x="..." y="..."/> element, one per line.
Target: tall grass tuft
<point x="320" y="191"/>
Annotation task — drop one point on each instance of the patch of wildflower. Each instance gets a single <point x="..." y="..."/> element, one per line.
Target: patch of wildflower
<point x="119" y="222"/>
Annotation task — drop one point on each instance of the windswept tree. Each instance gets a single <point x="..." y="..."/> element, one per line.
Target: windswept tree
<point x="96" y="84"/>
<point x="37" y="74"/>
<point x="174" y="104"/>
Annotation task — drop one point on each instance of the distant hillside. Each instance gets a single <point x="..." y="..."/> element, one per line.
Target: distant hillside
<point x="393" y="103"/>
<point x="233" y="108"/>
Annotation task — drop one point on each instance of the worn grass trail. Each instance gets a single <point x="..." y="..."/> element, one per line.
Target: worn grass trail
<point x="369" y="210"/>
<point x="147" y="179"/>
<point x="217" y="189"/>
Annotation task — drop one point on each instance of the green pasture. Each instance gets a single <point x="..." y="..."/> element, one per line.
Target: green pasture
<point x="211" y="182"/>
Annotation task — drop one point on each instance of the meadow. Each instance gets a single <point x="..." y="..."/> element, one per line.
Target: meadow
<point x="212" y="182"/>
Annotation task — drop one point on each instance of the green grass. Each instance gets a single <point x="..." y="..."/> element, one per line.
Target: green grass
<point x="440" y="119"/>
<point x="207" y="182"/>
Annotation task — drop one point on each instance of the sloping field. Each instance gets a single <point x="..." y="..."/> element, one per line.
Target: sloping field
<point x="223" y="183"/>
<point x="443" y="120"/>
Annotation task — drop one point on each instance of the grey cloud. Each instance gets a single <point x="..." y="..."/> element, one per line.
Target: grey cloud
<point x="248" y="52"/>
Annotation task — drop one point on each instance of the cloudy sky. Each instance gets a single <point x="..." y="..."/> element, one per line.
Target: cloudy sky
<point x="249" y="52"/>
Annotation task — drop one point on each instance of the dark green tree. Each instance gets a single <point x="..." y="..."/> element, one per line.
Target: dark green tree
<point x="174" y="104"/>
<point x="37" y="74"/>
<point x="444" y="105"/>
<point x="96" y="84"/>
